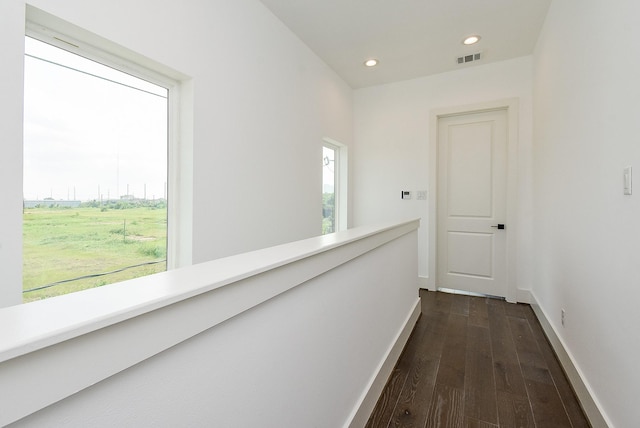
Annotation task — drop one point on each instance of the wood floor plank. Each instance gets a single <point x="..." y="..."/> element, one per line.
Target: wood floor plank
<point x="446" y="408"/>
<point x="413" y="404"/>
<point x="474" y="423"/>
<point x="508" y="375"/>
<point x="503" y="345"/>
<point x="428" y="301"/>
<point x="546" y="405"/>
<point x="479" y="389"/>
<point x="516" y="310"/>
<point x="514" y="411"/>
<point x="443" y="302"/>
<point x="538" y="374"/>
<point x="460" y="305"/>
<point x="452" y="363"/>
<point x="478" y="311"/>
<point x="526" y="346"/>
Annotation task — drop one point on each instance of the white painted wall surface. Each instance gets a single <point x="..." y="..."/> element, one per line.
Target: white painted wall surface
<point x="11" y="78"/>
<point x="587" y="233"/>
<point x="262" y="104"/>
<point x="392" y="134"/>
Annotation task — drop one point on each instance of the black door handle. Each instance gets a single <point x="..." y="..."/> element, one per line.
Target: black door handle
<point x="499" y="226"/>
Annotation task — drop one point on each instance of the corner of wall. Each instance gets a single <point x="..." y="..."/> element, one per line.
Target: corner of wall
<point x="524" y="296"/>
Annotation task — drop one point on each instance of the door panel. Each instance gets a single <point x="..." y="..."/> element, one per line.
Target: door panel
<point x="469" y="170"/>
<point x="470" y="254"/>
<point x="472" y="166"/>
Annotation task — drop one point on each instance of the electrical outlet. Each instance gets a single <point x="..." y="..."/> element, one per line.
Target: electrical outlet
<point x="562" y="314"/>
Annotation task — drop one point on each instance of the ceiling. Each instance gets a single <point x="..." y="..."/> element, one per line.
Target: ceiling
<point x="410" y="38"/>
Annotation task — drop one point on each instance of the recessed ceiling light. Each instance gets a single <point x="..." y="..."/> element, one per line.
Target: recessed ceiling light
<point x="471" y="40"/>
<point x="371" y="62"/>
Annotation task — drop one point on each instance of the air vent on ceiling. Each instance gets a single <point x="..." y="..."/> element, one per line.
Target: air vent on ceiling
<point x="469" y="58"/>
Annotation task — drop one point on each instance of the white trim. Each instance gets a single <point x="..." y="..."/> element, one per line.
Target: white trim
<point x="44" y="23"/>
<point x="588" y="401"/>
<point x="511" y="107"/>
<point x="370" y="397"/>
<point x="524" y="296"/>
<point x="423" y="282"/>
<point x="180" y="208"/>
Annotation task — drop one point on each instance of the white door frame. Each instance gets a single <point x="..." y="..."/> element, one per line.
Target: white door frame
<point x="511" y="107"/>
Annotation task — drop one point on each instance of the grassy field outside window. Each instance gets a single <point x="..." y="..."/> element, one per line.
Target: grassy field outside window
<point x="62" y="243"/>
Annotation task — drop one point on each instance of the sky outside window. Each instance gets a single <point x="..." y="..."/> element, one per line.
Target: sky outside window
<point x="85" y="134"/>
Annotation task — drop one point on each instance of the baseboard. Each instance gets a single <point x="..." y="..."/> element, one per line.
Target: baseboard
<point x="361" y="413"/>
<point x="524" y="296"/>
<point x="423" y="282"/>
<point x="582" y="390"/>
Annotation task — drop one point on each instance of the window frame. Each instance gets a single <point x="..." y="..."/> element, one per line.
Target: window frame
<point x="46" y="28"/>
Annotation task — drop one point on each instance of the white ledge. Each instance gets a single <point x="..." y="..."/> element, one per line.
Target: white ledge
<point x="43" y="323"/>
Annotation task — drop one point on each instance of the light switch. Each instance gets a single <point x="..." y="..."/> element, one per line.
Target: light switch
<point x="406" y="194"/>
<point x="627" y="180"/>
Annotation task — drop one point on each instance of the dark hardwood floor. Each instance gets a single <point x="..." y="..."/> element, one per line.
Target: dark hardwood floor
<point x="477" y="362"/>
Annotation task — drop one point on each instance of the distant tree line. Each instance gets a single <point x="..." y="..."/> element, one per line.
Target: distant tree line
<point x="105" y="205"/>
<point x="126" y="204"/>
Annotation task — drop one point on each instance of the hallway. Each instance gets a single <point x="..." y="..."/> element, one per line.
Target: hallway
<point x="477" y="362"/>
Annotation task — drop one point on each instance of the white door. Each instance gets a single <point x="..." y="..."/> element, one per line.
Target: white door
<point x="472" y="184"/>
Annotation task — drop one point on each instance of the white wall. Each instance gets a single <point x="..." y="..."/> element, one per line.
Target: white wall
<point x="587" y="233"/>
<point x="392" y="144"/>
<point x="262" y="104"/>
<point x="11" y="78"/>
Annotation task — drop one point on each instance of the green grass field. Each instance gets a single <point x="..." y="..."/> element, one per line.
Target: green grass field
<point x="66" y="243"/>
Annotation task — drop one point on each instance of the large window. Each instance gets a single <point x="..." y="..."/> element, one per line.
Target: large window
<point x="95" y="172"/>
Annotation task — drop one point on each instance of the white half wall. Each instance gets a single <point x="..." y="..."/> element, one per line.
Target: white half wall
<point x="262" y="104"/>
<point x="587" y="232"/>
<point x="391" y="151"/>
<point x="303" y="334"/>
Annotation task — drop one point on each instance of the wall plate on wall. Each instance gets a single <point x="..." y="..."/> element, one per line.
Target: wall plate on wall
<point x="627" y="174"/>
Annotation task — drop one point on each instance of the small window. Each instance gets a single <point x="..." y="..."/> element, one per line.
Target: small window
<point x="96" y="146"/>
<point x="334" y="186"/>
<point x="329" y="181"/>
